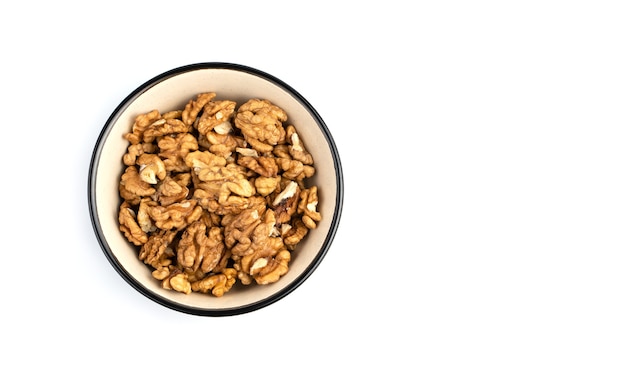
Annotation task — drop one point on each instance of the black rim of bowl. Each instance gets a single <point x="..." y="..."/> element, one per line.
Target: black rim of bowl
<point x="169" y="303"/>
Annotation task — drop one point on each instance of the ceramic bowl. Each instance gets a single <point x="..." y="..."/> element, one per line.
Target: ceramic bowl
<point x="169" y="91"/>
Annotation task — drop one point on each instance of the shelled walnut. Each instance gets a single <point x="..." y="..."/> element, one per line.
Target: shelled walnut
<point x="214" y="194"/>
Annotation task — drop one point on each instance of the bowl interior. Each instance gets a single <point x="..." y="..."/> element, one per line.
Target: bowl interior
<point x="171" y="92"/>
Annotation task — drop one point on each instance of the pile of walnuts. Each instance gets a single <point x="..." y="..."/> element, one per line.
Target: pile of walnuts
<point x="214" y="194"/>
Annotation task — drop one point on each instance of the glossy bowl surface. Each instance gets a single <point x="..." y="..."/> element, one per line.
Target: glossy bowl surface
<point x="169" y="91"/>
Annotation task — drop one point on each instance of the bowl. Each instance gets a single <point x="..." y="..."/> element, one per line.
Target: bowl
<point x="171" y="91"/>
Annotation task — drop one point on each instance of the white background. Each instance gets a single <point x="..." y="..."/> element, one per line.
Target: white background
<point x="484" y="225"/>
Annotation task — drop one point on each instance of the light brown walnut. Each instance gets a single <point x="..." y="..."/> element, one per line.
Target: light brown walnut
<point x="263" y="165"/>
<point x="216" y="115"/>
<point x="175" y="216"/>
<point x="285" y="204"/>
<point x="233" y="205"/>
<point x="265" y="258"/>
<point x="238" y="227"/>
<point x="203" y="162"/>
<point x="142" y="122"/>
<point x="151" y="168"/>
<point x="276" y="266"/>
<point x="136" y="150"/>
<point x="194" y="106"/>
<point x="129" y="225"/>
<point x="296" y="149"/>
<point x="143" y="217"/>
<point x="180" y="283"/>
<point x="218" y="179"/>
<point x="164" y="127"/>
<point x="200" y="249"/>
<point x="307" y="207"/>
<point x="174" y="114"/>
<point x="174" y="148"/>
<point x="132" y="188"/>
<point x="156" y="251"/>
<point x="294" y="169"/>
<point x="261" y="124"/>
<point x="221" y="144"/>
<point x="172" y="189"/>
<point x="294" y="234"/>
<point x="266" y="185"/>
<point x="217" y="284"/>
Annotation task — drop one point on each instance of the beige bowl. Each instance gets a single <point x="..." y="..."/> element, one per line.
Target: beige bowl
<point x="169" y="91"/>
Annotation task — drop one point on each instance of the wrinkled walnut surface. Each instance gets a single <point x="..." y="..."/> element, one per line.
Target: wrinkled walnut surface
<point x="215" y="194"/>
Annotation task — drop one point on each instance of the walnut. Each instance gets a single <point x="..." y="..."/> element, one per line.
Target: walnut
<point x="266" y="185"/>
<point x="294" y="169"/>
<point x="193" y="107"/>
<point x="266" y="258"/>
<point x="161" y="273"/>
<point x="233" y="180"/>
<point x="129" y="225"/>
<point x="174" y="114"/>
<point x="285" y="204"/>
<point x="143" y="217"/>
<point x="156" y="251"/>
<point x="296" y="149"/>
<point x="171" y="190"/>
<point x="135" y="150"/>
<point x="271" y="270"/>
<point x="232" y="205"/>
<point x="245" y="278"/>
<point x="294" y="234"/>
<point x="216" y="115"/>
<point x="173" y="150"/>
<point x="202" y="162"/>
<point x="243" y="151"/>
<point x="175" y="216"/>
<point x="164" y="127"/>
<point x="264" y="166"/>
<point x="261" y="124"/>
<point x="221" y="144"/>
<point x="308" y="207"/>
<point x="281" y="151"/>
<point x="219" y="179"/>
<point x="141" y="124"/>
<point x="218" y="284"/>
<point x="239" y="227"/>
<point x="132" y="188"/>
<point x="197" y="250"/>
<point x="151" y="167"/>
<point x="180" y="283"/>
